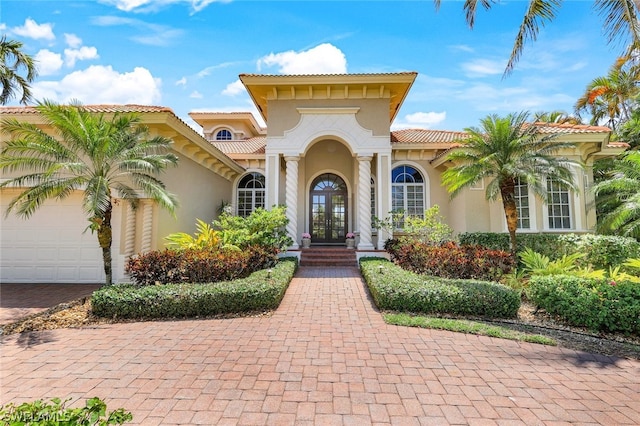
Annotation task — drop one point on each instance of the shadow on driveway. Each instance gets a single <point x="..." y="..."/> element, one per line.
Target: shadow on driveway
<point x="20" y="300"/>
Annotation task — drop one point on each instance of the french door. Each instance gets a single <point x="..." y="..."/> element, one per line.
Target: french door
<point x="328" y="202"/>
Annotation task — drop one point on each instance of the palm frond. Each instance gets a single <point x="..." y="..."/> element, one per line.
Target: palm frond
<point x="539" y="12"/>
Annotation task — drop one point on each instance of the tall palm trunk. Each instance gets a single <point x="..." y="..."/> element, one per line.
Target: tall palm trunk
<point x="507" y="191"/>
<point x="105" y="238"/>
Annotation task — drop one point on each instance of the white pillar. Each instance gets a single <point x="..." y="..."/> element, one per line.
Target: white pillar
<point x="364" y="202"/>
<point x="147" y="225"/>
<point x="272" y="170"/>
<point x="130" y="232"/>
<point x="291" y="195"/>
<point x="383" y="192"/>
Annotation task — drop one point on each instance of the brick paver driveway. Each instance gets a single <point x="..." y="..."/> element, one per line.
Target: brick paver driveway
<point x="325" y="357"/>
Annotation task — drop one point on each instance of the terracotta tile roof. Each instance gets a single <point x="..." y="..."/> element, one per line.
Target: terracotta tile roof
<point x="426" y="136"/>
<point x="570" y="128"/>
<point x="254" y="145"/>
<point x="92" y="108"/>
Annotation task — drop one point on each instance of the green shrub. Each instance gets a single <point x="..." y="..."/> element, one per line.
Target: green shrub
<point x="261" y="228"/>
<point x="546" y="244"/>
<point x="449" y="260"/>
<point x="599" y="305"/>
<point x="41" y="413"/>
<point x="601" y="251"/>
<point x="262" y="290"/>
<point x="396" y="289"/>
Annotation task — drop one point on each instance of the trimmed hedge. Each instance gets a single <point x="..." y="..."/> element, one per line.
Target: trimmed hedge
<point x="599" y="305"/>
<point x="602" y="251"/>
<point x="258" y="292"/>
<point x="399" y="290"/>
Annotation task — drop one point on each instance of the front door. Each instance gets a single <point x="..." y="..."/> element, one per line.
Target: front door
<point x="328" y="201"/>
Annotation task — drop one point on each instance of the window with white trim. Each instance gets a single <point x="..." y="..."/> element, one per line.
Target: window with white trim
<point x="251" y="193"/>
<point x="224" y="135"/>
<point x="522" y="204"/>
<point x="558" y="208"/>
<point x="407" y="193"/>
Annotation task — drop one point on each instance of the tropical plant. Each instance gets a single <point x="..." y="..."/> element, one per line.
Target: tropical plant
<point x="102" y="157"/>
<point x="611" y="99"/>
<point x="539" y="264"/>
<point x="619" y="197"/>
<point x="43" y="413"/>
<point x="262" y="227"/>
<point x="431" y="229"/>
<point x="556" y="117"/>
<point x="620" y="22"/>
<point x="508" y="150"/>
<point x="205" y="238"/>
<point x="13" y="62"/>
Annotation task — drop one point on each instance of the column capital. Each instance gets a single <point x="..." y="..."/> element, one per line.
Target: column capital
<point x="292" y="158"/>
<point x="365" y="157"/>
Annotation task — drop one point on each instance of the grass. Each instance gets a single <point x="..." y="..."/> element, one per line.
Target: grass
<point x="466" y="326"/>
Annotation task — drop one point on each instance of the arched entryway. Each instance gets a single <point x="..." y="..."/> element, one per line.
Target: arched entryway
<point x="328" y="209"/>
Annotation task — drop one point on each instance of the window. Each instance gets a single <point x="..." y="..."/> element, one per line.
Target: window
<point x="251" y="193"/>
<point x="558" y="205"/>
<point x="223" y="135"/>
<point x="522" y="204"/>
<point x="407" y="193"/>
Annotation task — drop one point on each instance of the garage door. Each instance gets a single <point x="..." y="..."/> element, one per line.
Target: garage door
<point x="49" y="247"/>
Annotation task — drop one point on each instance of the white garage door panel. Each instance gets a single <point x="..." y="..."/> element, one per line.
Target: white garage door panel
<point x="50" y="246"/>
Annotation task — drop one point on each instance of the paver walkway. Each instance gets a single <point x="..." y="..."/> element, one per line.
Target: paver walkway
<point x="324" y="357"/>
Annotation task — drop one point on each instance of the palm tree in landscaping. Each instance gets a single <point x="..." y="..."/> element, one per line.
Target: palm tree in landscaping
<point x="508" y="150"/>
<point x="618" y="197"/>
<point x="557" y="117"/>
<point x="13" y="62"/>
<point x="88" y="152"/>
<point x="620" y="22"/>
<point x="611" y="97"/>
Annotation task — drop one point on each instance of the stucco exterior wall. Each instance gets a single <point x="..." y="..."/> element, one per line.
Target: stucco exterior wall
<point x="373" y="113"/>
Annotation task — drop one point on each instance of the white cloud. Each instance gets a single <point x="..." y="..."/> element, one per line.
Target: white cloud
<point x="48" y="62"/>
<point x="182" y="81"/>
<point x="154" y="5"/>
<point x="462" y="48"/>
<point x="32" y="29"/>
<point x="234" y="88"/>
<point x="196" y="95"/>
<point x="425" y="120"/>
<point x="72" y="40"/>
<point x="84" y="53"/>
<point x="483" y="67"/>
<point x="102" y="85"/>
<point x="322" y="59"/>
<point x="156" y="34"/>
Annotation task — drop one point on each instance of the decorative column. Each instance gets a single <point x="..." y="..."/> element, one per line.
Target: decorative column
<point x="364" y="202"/>
<point x="147" y="225"/>
<point x="291" y="194"/>
<point x="130" y="232"/>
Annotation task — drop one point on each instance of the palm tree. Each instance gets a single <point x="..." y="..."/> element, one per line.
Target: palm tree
<point x="620" y="22"/>
<point x="612" y="97"/>
<point x="508" y="150"/>
<point x="619" y="197"/>
<point x="557" y="117"/>
<point x="12" y="61"/>
<point x="89" y="152"/>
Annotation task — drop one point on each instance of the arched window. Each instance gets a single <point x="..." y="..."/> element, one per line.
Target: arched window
<point x="251" y="193"/>
<point x="223" y="135"/>
<point x="407" y="193"/>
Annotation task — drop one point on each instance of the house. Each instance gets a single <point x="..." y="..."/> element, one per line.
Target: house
<point x="327" y="153"/>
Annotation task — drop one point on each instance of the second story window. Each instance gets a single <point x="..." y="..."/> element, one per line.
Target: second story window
<point x="223" y="135"/>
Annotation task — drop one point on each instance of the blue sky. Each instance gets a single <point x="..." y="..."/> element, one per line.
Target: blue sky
<point x="187" y="54"/>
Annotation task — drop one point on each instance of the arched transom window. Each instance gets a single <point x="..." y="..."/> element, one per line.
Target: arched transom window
<point x="251" y="193"/>
<point x="223" y="135"/>
<point x="407" y="193"/>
